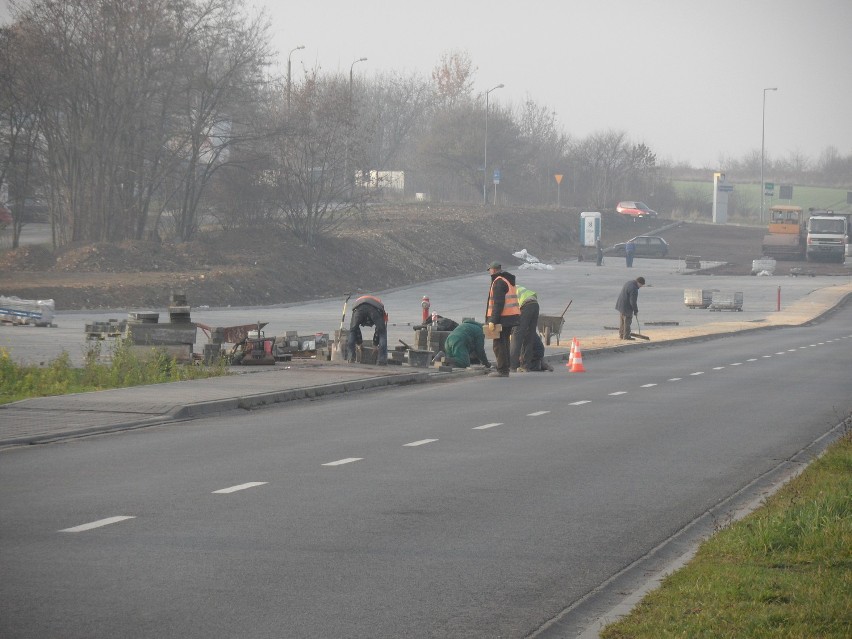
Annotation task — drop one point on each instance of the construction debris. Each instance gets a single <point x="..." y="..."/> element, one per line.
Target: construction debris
<point x="14" y="310"/>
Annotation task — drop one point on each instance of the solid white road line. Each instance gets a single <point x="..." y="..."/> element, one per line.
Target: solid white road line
<point x="421" y="442"/>
<point x="339" y="462"/>
<point x="538" y="413"/>
<point x="98" y="524"/>
<point x="233" y="489"/>
<point x="484" y="426"/>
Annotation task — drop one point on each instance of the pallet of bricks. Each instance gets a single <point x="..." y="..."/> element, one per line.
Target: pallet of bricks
<point x="14" y="310"/>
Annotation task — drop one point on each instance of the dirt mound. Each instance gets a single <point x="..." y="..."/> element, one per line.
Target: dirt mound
<point x="27" y="258"/>
<point x="384" y="248"/>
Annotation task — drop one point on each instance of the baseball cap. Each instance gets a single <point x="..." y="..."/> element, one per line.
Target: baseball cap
<point x="496" y="265"/>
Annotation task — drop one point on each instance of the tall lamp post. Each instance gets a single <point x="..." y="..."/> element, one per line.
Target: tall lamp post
<point x="352" y="66"/>
<point x="762" y="140"/>
<point x="485" y="155"/>
<point x="350" y="183"/>
<point x="301" y="46"/>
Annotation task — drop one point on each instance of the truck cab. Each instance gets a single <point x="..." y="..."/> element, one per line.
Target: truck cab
<point x="827" y="236"/>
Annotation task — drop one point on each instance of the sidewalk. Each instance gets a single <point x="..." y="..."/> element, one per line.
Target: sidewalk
<point x="47" y="419"/>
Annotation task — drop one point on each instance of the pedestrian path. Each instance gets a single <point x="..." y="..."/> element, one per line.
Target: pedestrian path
<point x="47" y="419"/>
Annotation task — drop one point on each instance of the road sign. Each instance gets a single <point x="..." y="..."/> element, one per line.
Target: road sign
<point x="726" y="188"/>
<point x="558" y="177"/>
<point x="496" y="176"/>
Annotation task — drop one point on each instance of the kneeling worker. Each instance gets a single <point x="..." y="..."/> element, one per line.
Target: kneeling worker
<point x="467" y="341"/>
<point x="368" y="311"/>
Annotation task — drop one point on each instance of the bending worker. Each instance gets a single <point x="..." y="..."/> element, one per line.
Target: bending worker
<point x="628" y="305"/>
<point x="467" y="341"/>
<point x="523" y="335"/>
<point x="503" y="311"/>
<point x="368" y="310"/>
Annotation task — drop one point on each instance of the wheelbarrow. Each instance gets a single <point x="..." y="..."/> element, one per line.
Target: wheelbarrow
<point x="551" y="325"/>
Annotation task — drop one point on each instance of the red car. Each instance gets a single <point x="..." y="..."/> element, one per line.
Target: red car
<point x="5" y="216"/>
<point x="635" y="209"/>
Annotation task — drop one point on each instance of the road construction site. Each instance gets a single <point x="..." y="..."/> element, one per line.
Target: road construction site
<point x="591" y="291"/>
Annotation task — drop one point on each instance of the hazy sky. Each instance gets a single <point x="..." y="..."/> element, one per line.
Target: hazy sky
<point x="686" y="77"/>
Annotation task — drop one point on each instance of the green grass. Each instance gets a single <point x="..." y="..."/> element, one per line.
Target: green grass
<point x="804" y="196"/>
<point x="124" y="368"/>
<point x="785" y="571"/>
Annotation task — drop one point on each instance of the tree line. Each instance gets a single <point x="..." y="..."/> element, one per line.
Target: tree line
<point x="131" y="118"/>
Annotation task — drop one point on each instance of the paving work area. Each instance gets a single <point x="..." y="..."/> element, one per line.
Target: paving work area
<point x="591" y="318"/>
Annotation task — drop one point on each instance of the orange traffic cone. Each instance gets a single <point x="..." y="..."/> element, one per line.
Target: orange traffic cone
<point x="577" y="364"/>
<point x="571" y="354"/>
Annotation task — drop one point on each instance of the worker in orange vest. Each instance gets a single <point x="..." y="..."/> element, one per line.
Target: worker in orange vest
<point x="503" y="310"/>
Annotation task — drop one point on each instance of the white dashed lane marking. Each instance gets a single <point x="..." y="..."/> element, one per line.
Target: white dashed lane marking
<point x="421" y="442"/>
<point x="486" y="426"/>
<point x="98" y="523"/>
<point x="581" y="402"/>
<point x="340" y="462"/>
<point x="619" y="393"/>
<point x="233" y="489"/>
<point x="675" y="379"/>
<point x="538" y="413"/>
<point x="696" y="373"/>
<point x="647" y="385"/>
<point x="718" y="368"/>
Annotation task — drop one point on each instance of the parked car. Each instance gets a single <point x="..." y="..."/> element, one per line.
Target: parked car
<point x="30" y="209"/>
<point x="631" y="208"/>
<point x="646" y="246"/>
<point x="5" y="216"/>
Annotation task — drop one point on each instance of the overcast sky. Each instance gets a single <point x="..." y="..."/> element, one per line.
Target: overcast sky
<point x="686" y="77"/>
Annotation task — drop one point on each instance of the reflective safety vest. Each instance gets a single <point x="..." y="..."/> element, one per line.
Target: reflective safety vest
<point x="525" y="295"/>
<point x="511" y="307"/>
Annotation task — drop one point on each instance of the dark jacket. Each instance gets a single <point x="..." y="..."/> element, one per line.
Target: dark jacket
<point x="499" y="301"/>
<point x="369" y="311"/>
<point x="466" y="339"/>
<point x="628" y="300"/>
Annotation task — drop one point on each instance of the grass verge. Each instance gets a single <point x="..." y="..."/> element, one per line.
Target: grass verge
<point x="123" y="368"/>
<point x="784" y="571"/>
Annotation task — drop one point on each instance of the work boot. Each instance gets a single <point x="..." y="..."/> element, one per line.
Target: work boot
<point x="521" y="369"/>
<point x="498" y="374"/>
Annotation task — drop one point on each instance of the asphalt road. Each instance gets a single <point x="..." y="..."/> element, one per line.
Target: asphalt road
<point x="480" y="508"/>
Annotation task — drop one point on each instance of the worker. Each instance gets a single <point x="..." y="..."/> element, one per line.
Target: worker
<point x="523" y="335"/>
<point x="368" y="310"/>
<point x="503" y="311"/>
<point x="466" y="343"/>
<point x="599" y="250"/>
<point x="537" y="363"/>
<point x="628" y="305"/>
<point x="629" y="252"/>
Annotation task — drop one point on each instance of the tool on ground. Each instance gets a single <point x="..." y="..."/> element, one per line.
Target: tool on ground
<point x="639" y="334"/>
<point x="337" y="350"/>
<point x="566" y="308"/>
<point x="406" y="345"/>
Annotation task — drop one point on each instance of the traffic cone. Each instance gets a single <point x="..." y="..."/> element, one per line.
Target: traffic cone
<point x="571" y="354"/>
<point x="577" y="364"/>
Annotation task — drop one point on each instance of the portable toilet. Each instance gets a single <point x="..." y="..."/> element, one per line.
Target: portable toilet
<point x="590" y="228"/>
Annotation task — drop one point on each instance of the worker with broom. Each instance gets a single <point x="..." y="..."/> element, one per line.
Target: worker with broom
<point x="628" y="305"/>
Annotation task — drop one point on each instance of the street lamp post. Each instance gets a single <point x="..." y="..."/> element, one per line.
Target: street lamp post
<point x="485" y="155"/>
<point x="352" y="66"/>
<point x="349" y="182"/>
<point x="301" y="46"/>
<point x="762" y="141"/>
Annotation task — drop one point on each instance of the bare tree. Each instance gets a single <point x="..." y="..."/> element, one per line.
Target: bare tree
<point x="453" y="77"/>
<point x="315" y="159"/>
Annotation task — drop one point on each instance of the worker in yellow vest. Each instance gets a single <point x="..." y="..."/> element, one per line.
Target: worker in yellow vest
<point x="521" y="357"/>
